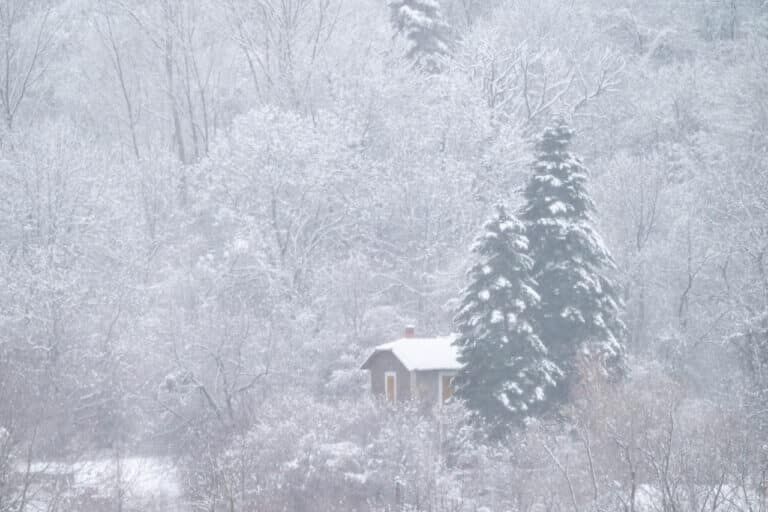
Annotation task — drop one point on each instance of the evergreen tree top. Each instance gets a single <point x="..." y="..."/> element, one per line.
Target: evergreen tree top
<point x="557" y="190"/>
<point x="422" y="24"/>
<point x="500" y="223"/>
<point x="555" y="138"/>
<point x="501" y="246"/>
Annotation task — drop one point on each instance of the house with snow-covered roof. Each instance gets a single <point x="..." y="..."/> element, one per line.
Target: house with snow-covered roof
<point x="414" y="368"/>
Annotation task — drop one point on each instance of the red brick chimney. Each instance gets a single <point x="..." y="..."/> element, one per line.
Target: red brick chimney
<point x="410" y="331"/>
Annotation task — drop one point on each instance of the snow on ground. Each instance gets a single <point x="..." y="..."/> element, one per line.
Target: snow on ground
<point x="725" y="498"/>
<point x="141" y="480"/>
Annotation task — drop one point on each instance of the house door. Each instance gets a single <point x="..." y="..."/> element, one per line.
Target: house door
<point x="446" y="387"/>
<point x="390" y="386"/>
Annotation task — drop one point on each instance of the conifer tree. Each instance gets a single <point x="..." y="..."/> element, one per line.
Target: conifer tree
<point x="580" y="306"/>
<point x="421" y="23"/>
<point x="506" y="374"/>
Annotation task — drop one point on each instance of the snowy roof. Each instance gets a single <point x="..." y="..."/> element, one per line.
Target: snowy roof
<point x="422" y="354"/>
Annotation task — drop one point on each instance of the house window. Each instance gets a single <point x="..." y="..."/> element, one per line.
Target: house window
<point x="445" y="386"/>
<point x="390" y="386"/>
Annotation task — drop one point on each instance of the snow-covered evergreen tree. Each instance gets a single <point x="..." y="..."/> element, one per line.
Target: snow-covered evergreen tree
<point x="506" y="375"/>
<point x="580" y="306"/>
<point x="422" y="24"/>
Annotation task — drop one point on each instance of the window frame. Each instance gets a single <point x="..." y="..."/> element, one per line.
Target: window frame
<point x="440" y="376"/>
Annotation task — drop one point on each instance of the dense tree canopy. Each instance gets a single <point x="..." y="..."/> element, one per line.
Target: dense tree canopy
<point x="210" y="211"/>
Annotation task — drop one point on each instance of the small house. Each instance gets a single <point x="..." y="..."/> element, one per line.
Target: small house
<point x="414" y="368"/>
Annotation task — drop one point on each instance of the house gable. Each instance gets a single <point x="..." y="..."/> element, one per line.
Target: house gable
<point x="381" y="363"/>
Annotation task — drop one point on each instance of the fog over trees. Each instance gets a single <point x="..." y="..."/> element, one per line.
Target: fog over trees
<point x="211" y="212"/>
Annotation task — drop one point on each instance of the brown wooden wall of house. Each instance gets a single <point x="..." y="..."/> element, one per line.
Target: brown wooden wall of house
<point x="386" y="362"/>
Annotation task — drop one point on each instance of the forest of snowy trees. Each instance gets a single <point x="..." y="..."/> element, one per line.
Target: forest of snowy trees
<point x="212" y="210"/>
